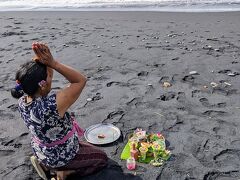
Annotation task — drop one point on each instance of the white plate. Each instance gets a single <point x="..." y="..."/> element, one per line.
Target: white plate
<point x="111" y="133"/>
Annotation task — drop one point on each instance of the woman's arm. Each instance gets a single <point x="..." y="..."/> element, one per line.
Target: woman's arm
<point x="67" y="96"/>
<point x="50" y="72"/>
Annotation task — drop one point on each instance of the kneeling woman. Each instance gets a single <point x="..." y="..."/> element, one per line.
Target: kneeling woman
<point x="55" y="133"/>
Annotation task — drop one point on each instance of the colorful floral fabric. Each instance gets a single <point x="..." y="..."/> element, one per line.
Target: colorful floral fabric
<point x="43" y="120"/>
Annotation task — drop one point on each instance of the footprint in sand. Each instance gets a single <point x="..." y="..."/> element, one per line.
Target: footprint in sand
<point x="6" y="152"/>
<point x="114" y="116"/>
<point x="134" y="101"/>
<point x="225" y="71"/>
<point x="181" y="97"/>
<point x="167" y="96"/>
<point x="223" y="89"/>
<point x="188" y="79"/>
<point x="206" y="103"/>
<point x="214" y="113"/>
<point x="150" y="90"/>
<point x="13" y="107"/>
<point x="221" y="175"/>
<point x="16" y="143"/>
<point x="121" y="84"/>
<point x="142" y="73"/>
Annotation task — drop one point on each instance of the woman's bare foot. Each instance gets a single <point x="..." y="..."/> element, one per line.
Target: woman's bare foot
<point x="62" y="175"/>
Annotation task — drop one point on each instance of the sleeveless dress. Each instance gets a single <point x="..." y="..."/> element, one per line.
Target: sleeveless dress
<point x="44" y="122"/>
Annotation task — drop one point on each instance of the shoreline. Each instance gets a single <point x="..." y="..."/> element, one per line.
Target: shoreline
<point x="124" y="13"/>
<point x="163" y="10"/>
<point x="137" y="6"/>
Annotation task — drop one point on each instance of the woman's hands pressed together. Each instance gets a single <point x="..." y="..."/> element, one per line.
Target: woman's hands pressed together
<point x="43" y="54"/>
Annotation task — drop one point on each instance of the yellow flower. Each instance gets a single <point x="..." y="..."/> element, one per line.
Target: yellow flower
<point x="145" y="144"/>
<point x="156" y="147"/>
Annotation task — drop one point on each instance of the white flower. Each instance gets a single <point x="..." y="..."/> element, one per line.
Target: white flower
<point x="53" y="132"/>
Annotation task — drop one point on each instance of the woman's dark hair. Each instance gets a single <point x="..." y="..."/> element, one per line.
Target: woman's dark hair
<point x="28" y="77"/>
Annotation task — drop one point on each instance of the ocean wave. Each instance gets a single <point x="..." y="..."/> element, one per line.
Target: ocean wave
<point x="158" y="5"/>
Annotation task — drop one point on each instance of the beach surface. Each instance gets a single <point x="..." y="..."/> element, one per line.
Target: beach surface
<point x="127" y="56"/>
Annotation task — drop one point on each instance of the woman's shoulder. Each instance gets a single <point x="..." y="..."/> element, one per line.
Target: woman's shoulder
<point x="51" y="97"/>
<point x="49" y="102"/>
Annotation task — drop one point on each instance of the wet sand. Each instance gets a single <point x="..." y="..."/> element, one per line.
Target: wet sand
<point x="127" y="56"/>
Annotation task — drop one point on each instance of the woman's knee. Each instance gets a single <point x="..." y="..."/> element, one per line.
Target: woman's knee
<point x="105" y="159"/>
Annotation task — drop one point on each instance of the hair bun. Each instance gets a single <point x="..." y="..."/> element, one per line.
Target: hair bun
<point x="17" y="93"/>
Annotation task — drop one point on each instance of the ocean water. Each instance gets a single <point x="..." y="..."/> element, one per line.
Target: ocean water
<point x="121" y="5"/>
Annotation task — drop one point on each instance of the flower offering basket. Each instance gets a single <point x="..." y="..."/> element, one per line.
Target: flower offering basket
<point x="146" y="148"/>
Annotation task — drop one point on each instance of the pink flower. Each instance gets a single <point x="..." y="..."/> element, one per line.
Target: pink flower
<point x="159" y="135"/>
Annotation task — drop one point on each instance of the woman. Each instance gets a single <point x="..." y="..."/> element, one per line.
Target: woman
<point x="55" y="133"/>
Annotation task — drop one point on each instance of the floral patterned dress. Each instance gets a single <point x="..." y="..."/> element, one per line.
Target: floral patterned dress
<point x="44" y="122"/>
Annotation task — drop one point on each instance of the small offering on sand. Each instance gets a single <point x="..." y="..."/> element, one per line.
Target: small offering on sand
<point x="166" y="84"/>
<point x="101" y="136"/>
<point x="131" y="163"/>
<point x="146" y="148"/>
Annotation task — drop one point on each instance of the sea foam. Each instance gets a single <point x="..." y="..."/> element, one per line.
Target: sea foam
<point x="155" y="5"/>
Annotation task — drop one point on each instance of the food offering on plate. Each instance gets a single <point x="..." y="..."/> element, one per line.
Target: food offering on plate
<point x="101" y="136"/>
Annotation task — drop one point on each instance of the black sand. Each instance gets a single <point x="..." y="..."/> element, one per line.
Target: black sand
<point x="127" y="56"/>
